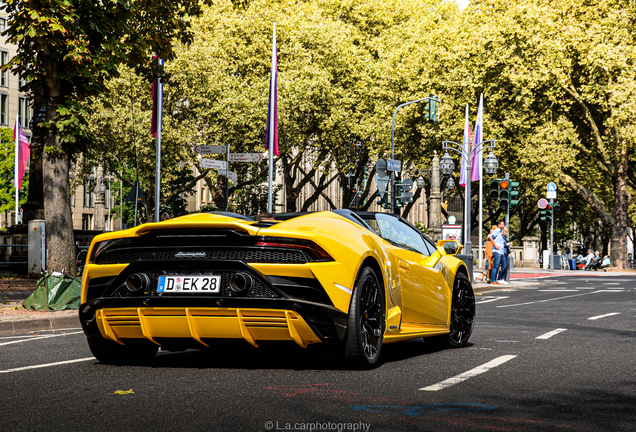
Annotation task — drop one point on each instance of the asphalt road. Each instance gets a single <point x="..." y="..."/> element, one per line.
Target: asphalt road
<point x="554" y="356"/>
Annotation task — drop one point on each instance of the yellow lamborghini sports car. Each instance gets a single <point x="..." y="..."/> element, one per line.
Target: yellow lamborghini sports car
<point x="352" y="279"/>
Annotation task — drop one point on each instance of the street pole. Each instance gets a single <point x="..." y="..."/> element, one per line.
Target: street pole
<point x="158" y="157"/>
<point x="227" y="179"/>
<point x="551" y="235"/>
<point x="467" y="201"/>
<point x="393" y="194"/>
<point x="507" y="222"/>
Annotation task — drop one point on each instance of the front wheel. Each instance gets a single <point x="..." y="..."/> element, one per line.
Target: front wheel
<point x="462" y="318"/>
<point x="365" y="328"/>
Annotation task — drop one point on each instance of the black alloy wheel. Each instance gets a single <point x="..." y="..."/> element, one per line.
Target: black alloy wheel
<point x="366" y="325"/>
<point x="462" y="312"/>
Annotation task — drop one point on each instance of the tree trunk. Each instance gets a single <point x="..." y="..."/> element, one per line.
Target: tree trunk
<point x="57" y="211"/>
<point x="619" y="227"/>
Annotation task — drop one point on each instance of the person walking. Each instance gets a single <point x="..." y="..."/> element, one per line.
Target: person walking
<point x="497" y="252"/>
<point x="505" y="259"/>
<point x="489" y="257"/>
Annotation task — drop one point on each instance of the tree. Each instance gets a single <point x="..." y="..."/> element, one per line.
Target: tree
<point x="66" y="52"/>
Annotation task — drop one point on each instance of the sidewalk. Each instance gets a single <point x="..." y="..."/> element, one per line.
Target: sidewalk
<point x="14" y="318"/>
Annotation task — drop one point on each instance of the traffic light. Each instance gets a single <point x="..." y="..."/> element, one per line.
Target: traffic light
<point x="504" y="195"/>
<point x="514" y="193"/>
<point x="431" y="109"/>
<point x="494" y="189"/>
<point x="384" y="201"/>
<point x="546" y="215"/>
<point x="556" y="207"/>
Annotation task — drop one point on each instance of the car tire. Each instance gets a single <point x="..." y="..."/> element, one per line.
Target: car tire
<point x="365" y="329"/>
<point x="462" y="319"/>
<point x="135" y="352"/>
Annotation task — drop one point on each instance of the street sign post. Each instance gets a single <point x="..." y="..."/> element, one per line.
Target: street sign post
<point x="551" y="195"/>
<point x="216" y="164"/>
<point x="393" y="165"/>
<point x="382" y="182"/>
<point x="552" y="187"/>
<point x="210" y="149"/>
<point x="246" y="157"/>
<point x="231" y="175"/>
<point x="543" y="203"/>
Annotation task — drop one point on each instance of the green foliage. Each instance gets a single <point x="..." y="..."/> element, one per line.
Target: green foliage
<point x="420" y="226"/>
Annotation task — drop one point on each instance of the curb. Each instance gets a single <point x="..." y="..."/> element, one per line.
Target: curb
<point x="39" y="324"/>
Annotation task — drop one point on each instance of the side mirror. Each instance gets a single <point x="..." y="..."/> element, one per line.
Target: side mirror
<point x="449" y="247"/>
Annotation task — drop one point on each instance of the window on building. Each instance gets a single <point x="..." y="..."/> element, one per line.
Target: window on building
<point x="3" y="22"/>
<point x="4" y="76"/>
<point x="4" y="109"/>
<point x="73" y="200"/>
<point x="87" y="221"/>
<point x="89" y="193"/>
<point x="23" y="112"/>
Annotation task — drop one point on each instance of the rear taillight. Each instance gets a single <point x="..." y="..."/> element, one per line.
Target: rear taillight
<point x="311" y="249"/>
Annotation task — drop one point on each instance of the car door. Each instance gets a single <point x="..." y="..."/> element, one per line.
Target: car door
<point x="425" y="293"/>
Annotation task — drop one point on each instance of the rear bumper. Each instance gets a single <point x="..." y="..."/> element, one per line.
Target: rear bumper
<point x="164" y="321"/>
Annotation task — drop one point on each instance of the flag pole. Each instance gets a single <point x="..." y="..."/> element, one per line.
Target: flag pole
<point x="158" y="157"/>
<point x="270" y="121"/>
<point x="481" y="187"/>
<point x="15" y="177"/>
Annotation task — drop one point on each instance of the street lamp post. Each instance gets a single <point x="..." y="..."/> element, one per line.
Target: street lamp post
<point x="490" y="167"/>
<point x="392" y="181"/>
<point x="436" y="174"/>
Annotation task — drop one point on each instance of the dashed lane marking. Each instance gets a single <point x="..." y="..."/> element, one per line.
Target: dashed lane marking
<point x="39" y="337"/>
<point x="547" y="300"/>
<point x="548" y="335"/>
<point x="491" y="299"/>
<point x="558" y="290"/>
<point x="47" y="365"/>
<point x="594" y="318"/>
<point x="469" y="374"/>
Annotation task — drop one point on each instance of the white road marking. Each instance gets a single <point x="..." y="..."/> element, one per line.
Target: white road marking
<point x="559" y="290"/>
<point x="505" y="341"/>
<point x="611" y="283"/>
<point x="47" y="365"/>
<point x="611" y="290"/>
<point x="548" y="335"/>
<point x="543" y="301"/>
<point x="39" y="337"/>
<point x="580" y="288"/>
<point x="491" y="299"/>
<point x="594" y="318"/>
<point x="469" y="374"/>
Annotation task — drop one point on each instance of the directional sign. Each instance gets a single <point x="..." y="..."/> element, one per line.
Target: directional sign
<point x="246" y="157"/>
<point x="232" y="175"/>
<point x="210" y="149"/>
<point x="407" y="185"/>
<point x="393" y="165"/>
<point x="211" y="163"/>
<point x="552" y="187"/>
<point x="406" y="197"/>
<point x="543" y="203"/>
<point x="551" y="195"/>
<point x="382" y="182"/>
<point x="380" y="167"/>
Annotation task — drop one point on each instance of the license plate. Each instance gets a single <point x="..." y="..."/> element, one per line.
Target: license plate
<point x="207" y="284"/>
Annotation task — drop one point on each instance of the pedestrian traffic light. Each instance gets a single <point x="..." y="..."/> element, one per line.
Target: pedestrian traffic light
<point x="431" y="108"/>
<point x="384" y="201"/>
<point x="504" y="195"/>
<point x="494" y="189"/>
<point x="546" y="215"/>
<point x="514" y="193"/>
